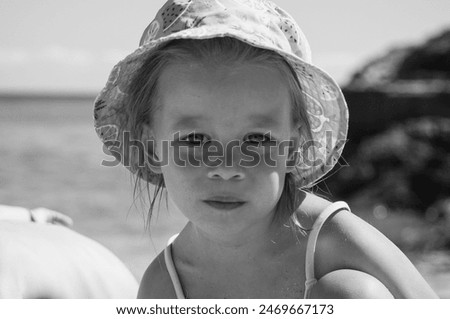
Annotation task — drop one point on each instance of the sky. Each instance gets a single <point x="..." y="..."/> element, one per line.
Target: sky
<point x="71" y="45"/>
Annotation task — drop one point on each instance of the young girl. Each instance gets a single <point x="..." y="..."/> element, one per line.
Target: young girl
<point x="221" y="107"/>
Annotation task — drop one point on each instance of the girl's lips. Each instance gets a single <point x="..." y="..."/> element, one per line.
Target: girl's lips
<point x="224" y="204"/>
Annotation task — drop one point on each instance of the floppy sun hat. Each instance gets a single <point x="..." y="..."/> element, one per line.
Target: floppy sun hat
<point x="259" y="23"/>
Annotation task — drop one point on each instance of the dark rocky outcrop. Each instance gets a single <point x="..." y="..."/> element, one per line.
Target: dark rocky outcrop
<point x="399" y="133"/>
<point x="427" y="63"/>
<point x="406" y="166"/>
<point x="405" y="83"/>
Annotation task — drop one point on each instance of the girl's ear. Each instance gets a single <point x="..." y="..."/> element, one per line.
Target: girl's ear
<point x="151" y="156"/>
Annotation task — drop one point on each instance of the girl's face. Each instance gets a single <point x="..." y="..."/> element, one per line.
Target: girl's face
<point x="227" y="127"/>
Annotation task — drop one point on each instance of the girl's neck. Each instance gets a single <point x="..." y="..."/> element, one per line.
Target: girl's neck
<point x="256" y="241"/>
<point x="258" y="264"/>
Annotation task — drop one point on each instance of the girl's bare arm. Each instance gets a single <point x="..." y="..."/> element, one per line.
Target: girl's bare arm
<point x="348" y="242"/>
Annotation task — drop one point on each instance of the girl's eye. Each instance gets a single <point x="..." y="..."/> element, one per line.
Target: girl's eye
<point x="257" y="139"/>
<point x="195" y="139"/>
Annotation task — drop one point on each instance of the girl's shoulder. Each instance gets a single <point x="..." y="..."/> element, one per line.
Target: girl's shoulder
<point x="156" y="282"/>
<point x="343" y="237"/>
<point x="346" y="241"/>
<point x="310" y="208"/>
<point x="340" y="220"/>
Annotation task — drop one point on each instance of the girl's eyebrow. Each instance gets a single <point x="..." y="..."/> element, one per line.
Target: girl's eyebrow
<point x="264" y="121"/>
<point x="188" y="121"/>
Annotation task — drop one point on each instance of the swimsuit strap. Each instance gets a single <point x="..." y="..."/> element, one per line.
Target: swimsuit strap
<point x="312" y="240"/>
<point x="171" y="269"/>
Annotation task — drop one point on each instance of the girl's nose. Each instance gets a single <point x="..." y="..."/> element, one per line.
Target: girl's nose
<point x="226" y="173"/>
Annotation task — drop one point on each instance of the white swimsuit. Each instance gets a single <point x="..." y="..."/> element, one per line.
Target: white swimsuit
<point x="310" y="251"/>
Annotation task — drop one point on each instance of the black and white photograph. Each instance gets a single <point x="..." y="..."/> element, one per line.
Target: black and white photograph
<point x="225" y="149"/>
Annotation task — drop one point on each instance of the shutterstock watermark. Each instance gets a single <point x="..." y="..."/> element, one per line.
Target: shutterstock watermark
<point x="184" y="152"/>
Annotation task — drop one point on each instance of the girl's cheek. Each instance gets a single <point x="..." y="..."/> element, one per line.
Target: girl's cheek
<point x="182" y="155"/>
<point x="190" y="156"/>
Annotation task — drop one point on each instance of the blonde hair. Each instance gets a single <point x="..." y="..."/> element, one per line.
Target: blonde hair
<point x="219" y="51"/>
